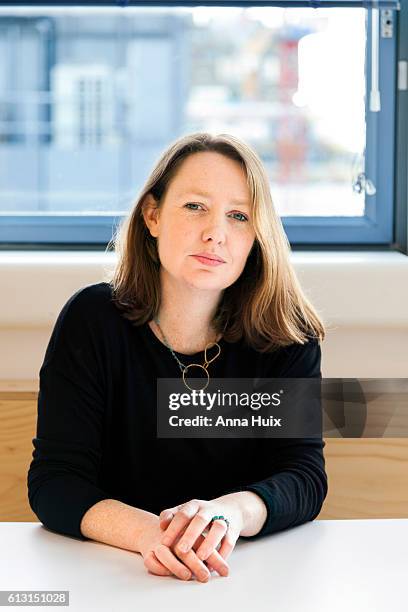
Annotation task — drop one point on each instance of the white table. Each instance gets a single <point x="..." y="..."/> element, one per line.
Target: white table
<point x="325" y="565"/>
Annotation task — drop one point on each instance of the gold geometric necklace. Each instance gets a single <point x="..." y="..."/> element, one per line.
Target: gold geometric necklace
<point x="184" y="368"/>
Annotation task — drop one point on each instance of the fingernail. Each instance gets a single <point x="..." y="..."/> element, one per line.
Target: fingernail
<point x="224" y="571"/>
<point x="186" y="575"/>
<point x="184" y="547"/>
<point x="203" y="575"/>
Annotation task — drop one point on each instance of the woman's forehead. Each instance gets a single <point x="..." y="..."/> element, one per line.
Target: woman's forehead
<point x="201" y="175"/>
<point x="207" y="165"/>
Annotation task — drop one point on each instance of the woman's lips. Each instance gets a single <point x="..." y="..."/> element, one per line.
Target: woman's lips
<point x="208" y="262"/>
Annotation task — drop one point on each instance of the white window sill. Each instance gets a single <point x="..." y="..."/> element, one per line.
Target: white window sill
<point x="362" y="289"/>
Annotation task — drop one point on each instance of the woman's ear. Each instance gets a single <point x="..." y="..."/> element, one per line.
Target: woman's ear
<point x="150" y="211"/>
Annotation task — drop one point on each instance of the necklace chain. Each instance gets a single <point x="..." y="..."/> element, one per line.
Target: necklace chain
<point x="181" y="365"/>
<point x="184" y="368"/>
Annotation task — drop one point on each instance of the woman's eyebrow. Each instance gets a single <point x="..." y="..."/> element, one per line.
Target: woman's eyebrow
<point x="195" y="192"/>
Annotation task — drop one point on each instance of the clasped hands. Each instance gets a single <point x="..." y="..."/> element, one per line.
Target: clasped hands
<point x="183" y="539"/>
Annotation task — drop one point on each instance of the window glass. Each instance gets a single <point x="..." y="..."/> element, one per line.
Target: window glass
<point x="89" y="98"/>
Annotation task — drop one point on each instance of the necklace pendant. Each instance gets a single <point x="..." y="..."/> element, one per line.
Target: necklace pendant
<point x="197" y="365"/>
<point x="215" y="356"/>
<point x="184" y="368"/>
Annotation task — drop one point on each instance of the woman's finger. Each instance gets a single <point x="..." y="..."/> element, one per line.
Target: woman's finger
<point x="227" y="545"/>
<point x="193" y="564"/>
<point x="167" y="515"/>
<point x="154" y="566"/>
<point x="217" y="531"/>
<point x="200" y="522"/>
<point x="169" y="560"/>
<point x="168" y="512"/>
<point x="215" y="562"/>
<point x="218" y="564"/>
<point x="169" y="557"/>
<point x="165" y="520"/>
<point x="179" y="522"/>
<point x="191" y="561"/>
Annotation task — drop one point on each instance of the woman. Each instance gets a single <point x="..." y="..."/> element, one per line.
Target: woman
<point x="99" y="470"/>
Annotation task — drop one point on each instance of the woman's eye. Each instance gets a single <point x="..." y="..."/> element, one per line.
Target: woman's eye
<point x="192" y="204"/>
<point x="242" y="219"/>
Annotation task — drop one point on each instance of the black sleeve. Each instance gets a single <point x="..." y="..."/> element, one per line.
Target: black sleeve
<point x="63" y="475"/>
<point x="297" y="485"/>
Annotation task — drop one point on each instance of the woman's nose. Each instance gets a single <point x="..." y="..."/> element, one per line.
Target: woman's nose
<point x="215" y="226"/>
<point x="215" y="231"/>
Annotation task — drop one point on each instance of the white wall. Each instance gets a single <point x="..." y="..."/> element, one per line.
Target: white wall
<point x="362" y="298"/>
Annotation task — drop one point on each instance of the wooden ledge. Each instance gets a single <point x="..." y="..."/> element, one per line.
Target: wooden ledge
<point x="18" y="389"/>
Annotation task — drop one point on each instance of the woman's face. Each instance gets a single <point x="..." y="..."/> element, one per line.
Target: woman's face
<point x="206" y="209"/>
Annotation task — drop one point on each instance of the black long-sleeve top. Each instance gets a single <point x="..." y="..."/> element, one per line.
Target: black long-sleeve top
<point x="96" y="428"/>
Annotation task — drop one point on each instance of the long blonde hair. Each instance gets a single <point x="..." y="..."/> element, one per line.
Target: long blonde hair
<point x="265" y="306"/>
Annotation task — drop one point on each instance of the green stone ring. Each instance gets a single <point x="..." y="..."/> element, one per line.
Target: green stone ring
<point x="214" y="518"/>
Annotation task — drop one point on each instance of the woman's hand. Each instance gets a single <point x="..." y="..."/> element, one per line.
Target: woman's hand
<point x="165" y="561"/>
<point x="193" y="517"/>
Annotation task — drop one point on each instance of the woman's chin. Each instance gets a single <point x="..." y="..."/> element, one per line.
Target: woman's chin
<point x="201" y="284"/>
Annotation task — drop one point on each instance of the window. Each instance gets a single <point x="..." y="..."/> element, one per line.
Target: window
<point x="91" y="95"/>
